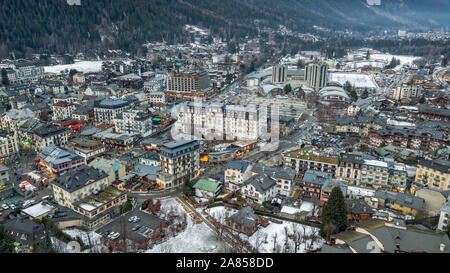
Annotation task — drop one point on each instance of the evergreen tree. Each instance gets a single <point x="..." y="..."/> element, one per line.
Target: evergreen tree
<point x="5" y="79"/>
<point x="353" y="95"/>
<point x="287" y="89"/>
<point x="348" y="87"/>
<point x="6" y="241"/>
<point x="44" y="246"/>
<point x="365" y="94"/>
<point x="334" y="213"/>
<point x="368" y="55"/>
<point x="72" y="72"/>
<point x="300" y="64"/>
<point x="444" y="62"/>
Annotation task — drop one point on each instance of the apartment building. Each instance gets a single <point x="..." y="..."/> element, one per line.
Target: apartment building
<point x="133" y="122"/>
<point x="216" y="121"/>
<point x="187" y="84"/>
<point x="156" y="98"/>
<point x="304" y="160"/>
<point x="236" y="173"/>
<point x="9" y="144"/>
<point x="63" y="110"/>
<point x="58" y="160"/>
<point x="4" y="175"/>
<point x="279" y="74"/>
<point x="259" y="188"/>
<point x="179" y="161"/>
<point x="35" y="134"/>
<point x="359" y="125"/>
<point x="349" y="168"/>
<point x="434" y="173"/>
<point x="418" y="138"/>
<point x="406" y="92"/>
<point x="25" y="73"/>
<point x="87" y="148"/>
<point x="314" y="183"/>
<point x="316" y="74"/>
<point x="106" y="110"/>
<point x="86" y="191"/>
<point x="381" y="174"/>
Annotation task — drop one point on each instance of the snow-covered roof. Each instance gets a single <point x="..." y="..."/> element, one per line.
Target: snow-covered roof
<point x="38" y="209"/>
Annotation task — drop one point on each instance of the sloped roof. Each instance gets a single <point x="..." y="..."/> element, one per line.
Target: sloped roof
<point x="238" y="165"/>
<point x="244" y="217"/>
<point x="206" y="185"/>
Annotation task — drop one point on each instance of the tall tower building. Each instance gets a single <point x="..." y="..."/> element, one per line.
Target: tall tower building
<point x="316" y="74"/>
<point x="279" y="73"/>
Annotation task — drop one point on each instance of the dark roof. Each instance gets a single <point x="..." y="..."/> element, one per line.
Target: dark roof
<point x="150" y="155"/>
<point x="409" y="132"/>
<point x="22" y="225"/>
<point x="42" y="129"/>
<point x="177" y="148"/>
<point x="351" y="158"/>
<point x="434" y="111"/>
<point x="262" y="183"/>
<point x="111" y="103"/>
<point x="403" y="199"/>
<point x="317" y="177"/>
<point x="77" y="178"/>
<point x="275" y="172"/>
<point x="244" y="217"/>
<point x="238" y="165"/>
<point x="360" y="120"/>
<point x="436" y="164"/>
<point x="358" y="206"/>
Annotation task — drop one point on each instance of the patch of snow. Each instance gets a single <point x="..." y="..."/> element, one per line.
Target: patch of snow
<point x="356" y="79"/>
<point x="80" y="66"/>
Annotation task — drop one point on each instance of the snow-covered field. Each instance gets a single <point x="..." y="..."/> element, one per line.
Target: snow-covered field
<point x="91" y="238"/>
<point x="273" y="229"/>
<point x="81" y="66"/>
<point x="356" y="79"/>
<point x="305" y="206"/>
<point x="258" y="239"/>
<point x="388" y="57"/>
<point x="195" y="239"/>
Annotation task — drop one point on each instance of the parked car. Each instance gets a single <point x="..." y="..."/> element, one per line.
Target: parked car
<point x="137" y="227"/>
<point x="5" y="206"/>
<point x="12" y="206"/>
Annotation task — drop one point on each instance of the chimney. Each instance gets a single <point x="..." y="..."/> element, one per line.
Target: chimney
<point x="442" y="247"/>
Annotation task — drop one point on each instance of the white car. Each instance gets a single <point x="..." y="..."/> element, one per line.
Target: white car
<point x="12" y="206"/>
<point x="5" y="206"/>
<point x="115" y="235"/>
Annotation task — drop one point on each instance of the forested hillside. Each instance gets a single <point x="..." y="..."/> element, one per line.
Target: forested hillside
<point x="28" y="26"/>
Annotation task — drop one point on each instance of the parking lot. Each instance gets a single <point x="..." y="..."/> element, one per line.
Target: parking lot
<point x="121" y="225"/>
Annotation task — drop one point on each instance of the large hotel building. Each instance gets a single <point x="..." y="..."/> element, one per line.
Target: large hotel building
<point x="187" y="84"/>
